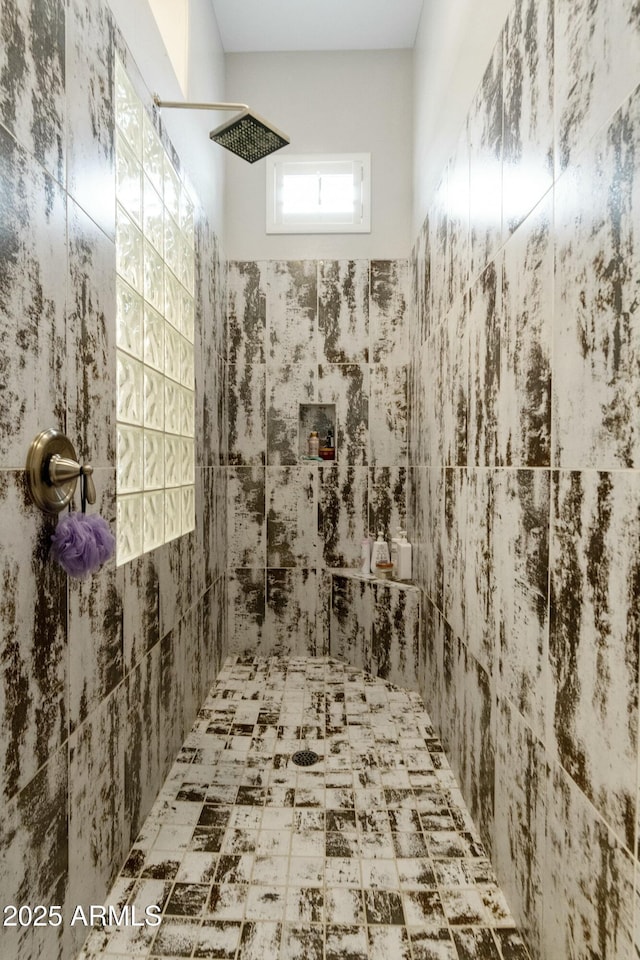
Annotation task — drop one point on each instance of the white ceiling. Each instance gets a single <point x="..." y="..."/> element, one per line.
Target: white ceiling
<point x="274" y="25"/>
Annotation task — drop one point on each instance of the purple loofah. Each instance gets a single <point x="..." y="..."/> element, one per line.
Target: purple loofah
<point x="82" y="543"/>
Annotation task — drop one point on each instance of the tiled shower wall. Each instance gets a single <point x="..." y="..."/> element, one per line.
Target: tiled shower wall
<point x="99" y="679"/>
<point x="301" y="332"/>
<point x="525" y="469"/>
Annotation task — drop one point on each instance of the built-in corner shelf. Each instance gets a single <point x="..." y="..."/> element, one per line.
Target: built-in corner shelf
<point x="353" y="573"/>
<point x="374" y="625"/>
<point x="320" y="417"/>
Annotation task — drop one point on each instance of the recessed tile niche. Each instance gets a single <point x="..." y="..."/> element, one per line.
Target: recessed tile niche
<point x="320" y="417"/>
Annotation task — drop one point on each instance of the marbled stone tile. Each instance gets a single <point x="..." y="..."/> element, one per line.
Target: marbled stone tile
<point x="432" y="482"/>
<point x="342" y="513"/>
<point x="343" y="310"/>
<point x="596" y="345"/>
<point x="323" y="612"/>
<point x="291" y="509"/>
<point x="481" y="552"/>
<point x="97" y="844"/>
<point x="435" y="638"/>
<point x="290" y="612"/>
<point x="597" y="48"/>
<point x="519" y="836"/>
<point x="91" y="345"/>
<point x="32" y="79"/>
<point x="593" y="640"/>
<point x="484" y="127"/>
<point x="94" y="626"/>
<point x="211" y="413"/>
<point x="90" y="110"/>
<point x="524" y="422"/>
<point x="137" y="584"/>
<point x="511" y="945"/>
<point x="346" y="942"/>
<point x="456" y="543"/>
<point x="246" y="531"/>
<point x="588" y="881"/>
<point x="34" y="865"/>
<point x="288" y="387"/>
<point x="247" y="416"/>
<point x="218" y="938"/>
<point x="388" y="941"/>
<point x="246" y="591"/>
<point x="387" y="416"/>
<point x="246" y="316"/>
<point x="453" y="373"/>
<point x="292" y="308"/>
<point x="259" y="940"/>
<point x="213" y="634"/>
<point x="191" y="665"/>
<point x="348" y="386"/>
<point x="351" y="622"/>
<point x="520" y="538"/>
<point x="438" y="252"/>
<point x="429" y="415"/>
<point x="413" y="419"/>
<point x="458" y="206"/>
<point x="528" y="109"/>
<point x="423" y="285"/>
<point x="388" y="499"/>
<point x="485" y="345"/>
<point x="172" y="709"/>
<point x="389" y="312"/>
<point x="416" y="479"/>
<point x="142" y="761"/>
<point x="180" y="579"/>
<point x="432" y="944"/>
<point x="175" y="938"/>
<point x="34" y="675"/>
<point x="395" y="633"/>
<point x="471" y="733"/>
<point x="211" y="519"/>
<point x="32" y="302"/>
<point x="475" y="943"/>
<point x="210" y="349"/>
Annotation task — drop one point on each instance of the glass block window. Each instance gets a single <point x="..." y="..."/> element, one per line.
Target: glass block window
<point x="155" y="329"/>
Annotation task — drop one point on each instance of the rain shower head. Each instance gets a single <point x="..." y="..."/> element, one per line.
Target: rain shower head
<point x="247" y="135"/>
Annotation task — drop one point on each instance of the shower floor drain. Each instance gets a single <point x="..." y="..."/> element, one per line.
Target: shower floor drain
<point x="305" y="758"/>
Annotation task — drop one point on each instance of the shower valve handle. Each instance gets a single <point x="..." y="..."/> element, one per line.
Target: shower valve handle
<point x="63" y="469"/>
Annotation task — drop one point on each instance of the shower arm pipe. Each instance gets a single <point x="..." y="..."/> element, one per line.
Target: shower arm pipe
<point x="185" y="105"/>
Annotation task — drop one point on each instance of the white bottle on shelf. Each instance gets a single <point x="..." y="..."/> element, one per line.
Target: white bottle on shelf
<point x="379" y="552"/>
<point x="401" y="556"/>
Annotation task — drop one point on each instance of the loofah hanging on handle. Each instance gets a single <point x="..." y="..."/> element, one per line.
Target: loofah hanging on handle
<point x="82" y="543"/>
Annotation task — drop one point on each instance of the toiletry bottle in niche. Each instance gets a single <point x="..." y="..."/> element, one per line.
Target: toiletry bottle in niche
<point x="331" y="446"/>
<point x="394" y="550"/>
<point x="401" y="556"/>
<point x="379" y="552"/>
<point x="313" y="444"/>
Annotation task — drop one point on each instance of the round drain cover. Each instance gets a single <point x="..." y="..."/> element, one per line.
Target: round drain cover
<point x="305" y="758"/>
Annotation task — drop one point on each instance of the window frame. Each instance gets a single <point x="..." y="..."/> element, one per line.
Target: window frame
<point x="276" y="221"/>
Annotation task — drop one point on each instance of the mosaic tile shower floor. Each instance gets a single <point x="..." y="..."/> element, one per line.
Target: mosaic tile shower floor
<point x="370" y="854"/>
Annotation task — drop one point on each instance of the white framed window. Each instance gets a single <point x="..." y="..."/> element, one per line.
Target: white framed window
<point x="319" y="193"/>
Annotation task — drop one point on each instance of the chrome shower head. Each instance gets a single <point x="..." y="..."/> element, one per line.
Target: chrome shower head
<point x="249" y="136"/>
